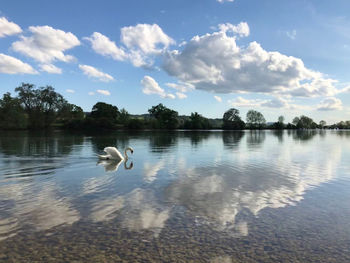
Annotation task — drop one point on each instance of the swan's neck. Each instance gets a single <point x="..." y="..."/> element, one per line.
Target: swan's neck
<point x="125" y="154"/>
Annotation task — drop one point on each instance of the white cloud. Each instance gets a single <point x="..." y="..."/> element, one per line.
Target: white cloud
<point x="219" y="99"/>
<point x="46" y="44"/>
<point x="8" y="28"/>
<point x="144" y="41"/>
<point x="181" y="87"/>
<point x="292" y="34"/>
<point x="11" y="65"/>
<point x="215" y="63"/>
<point x="70" y="90"/>
<point x="91" y="93"/>
<point x="104" y="46"/>
<point x="270" y="103"/>
<point x="103" y="92"/>
<point x="330" y="104"/>
<point x="181" y="95"/>
<point x="223" y="1"/>
<point x="49" y="68"/>
<point x="150" y="39"/>
<point x="95" y="73"/>
<point x="150" y="86"/>
<point x="242" y="29"/>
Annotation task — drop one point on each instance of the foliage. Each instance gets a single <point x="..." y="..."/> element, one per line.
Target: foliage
<point x="41" y="104"/>
<point x="279" y="125"/>
<point x="166" y="118"/>
<point x="304" y="122"/>
<point x="197" y="121"/>
<point x="322" y="124"/>
<point x="255" y="120"/>
<point x="232" y="120"/>
<point x="12" y="115"/>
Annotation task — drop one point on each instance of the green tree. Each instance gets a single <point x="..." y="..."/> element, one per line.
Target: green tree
<point x="41" y="104"/>
<point x="12" y="115"/>
<point x="322" y="123"/>
<point x="124" y="117"/>
<point x="279" y="125"/>
<point x="255" y="119"/>
<point x="103" y="115"/>
<point x="232" y="120"/>
<point x="166" y="118"/>
<point x="197" y="121"/>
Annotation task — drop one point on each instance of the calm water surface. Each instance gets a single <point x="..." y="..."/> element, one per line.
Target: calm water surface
<point x="182" y="197"/>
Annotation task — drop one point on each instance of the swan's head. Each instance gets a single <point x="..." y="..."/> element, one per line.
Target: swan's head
<point x="130" y="149"/>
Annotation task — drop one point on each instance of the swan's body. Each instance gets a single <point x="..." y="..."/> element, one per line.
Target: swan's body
<point x="114" y="154"/>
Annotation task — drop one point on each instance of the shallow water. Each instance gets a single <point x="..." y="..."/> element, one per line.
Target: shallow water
<point x="259" y="196"/>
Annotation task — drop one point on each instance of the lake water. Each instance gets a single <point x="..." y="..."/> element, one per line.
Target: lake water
<point x="259" y="196"/>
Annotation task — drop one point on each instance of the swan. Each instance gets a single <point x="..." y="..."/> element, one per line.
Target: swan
<point x="114" y="154"/>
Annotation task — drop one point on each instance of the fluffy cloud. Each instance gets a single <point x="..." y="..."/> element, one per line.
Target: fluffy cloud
<point x="95" y="73"/>
<point x="140" y="44"/>
<point x="49" y="68"/>
<point x="103" y="92"/>
<point x="91" y="93"/>
<point x="215" y="63"/>
<point x="150" y="86"/>
<point x="104" y="46"/>
<point x="219" y="99"/>
<point x="11" y="65"/>
<point x="46" y="44"/>
<point x="70" y="90"/>
<point x="242" y="29"/>
<point x="149" y="39"/>
<point x="329" y="104"/>
<point x="8" y="28"/>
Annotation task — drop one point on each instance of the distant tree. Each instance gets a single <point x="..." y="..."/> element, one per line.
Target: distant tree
<point x="124" y="117"/>
<point x="279" y="125"/>
<point x="232" y="120"/>
<point x="255" y="120"/>
<point x="41" y="104"/>
<point x="12" y="115"/>
<point x="197" y="121"/>
<point x="296" y="121"/>
<point x="166" y="118"/>
<point x="281" y="119"/>
<point x="304" y="122"/>
<point x="322" y="124"/>
<point x="103" y="115"/>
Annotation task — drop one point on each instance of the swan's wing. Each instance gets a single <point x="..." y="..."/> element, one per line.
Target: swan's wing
<point x="112" y="151"/>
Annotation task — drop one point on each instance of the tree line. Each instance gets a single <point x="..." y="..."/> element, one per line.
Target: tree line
<point x="43" y="107"/>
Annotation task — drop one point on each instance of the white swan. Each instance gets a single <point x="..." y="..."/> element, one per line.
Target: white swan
<point x="114" y="154"/>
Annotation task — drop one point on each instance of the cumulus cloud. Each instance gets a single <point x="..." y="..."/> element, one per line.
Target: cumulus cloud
<point x="215" y="63"/>
<point x="8" y="28"/>
<point x="140" y="44"/>
<point x="150" y="39"/>
<point x="92" y="72"/>
<point x="70" y="90"/>
<point x="46" y="44"/>
<point x="330" y="104"/>
<point x="103" y="92"/>
<point x="104" y="46"/>
<point x="219" y="99"/>
<point x="91" y="93"/>
<point x="49" y="68"/>
<point x="150" y="86"/>
<point x="242" y="29"/>
<point x="11" y="65"/>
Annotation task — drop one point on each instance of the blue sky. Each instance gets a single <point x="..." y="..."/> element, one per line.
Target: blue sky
<point x="279" y="57"/>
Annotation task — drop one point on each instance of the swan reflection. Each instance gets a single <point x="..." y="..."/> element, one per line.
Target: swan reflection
<point x="113" y="165"/>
